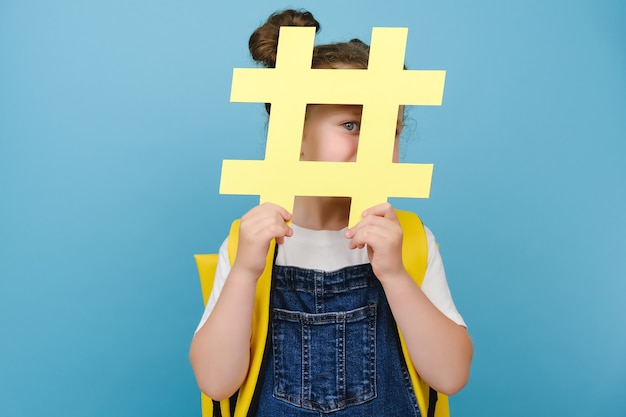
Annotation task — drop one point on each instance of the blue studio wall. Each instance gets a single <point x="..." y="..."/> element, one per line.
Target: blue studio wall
<point x="114" y="119"/>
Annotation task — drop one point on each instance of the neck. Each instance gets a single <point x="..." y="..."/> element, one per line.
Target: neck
<point x="321" y="213"/>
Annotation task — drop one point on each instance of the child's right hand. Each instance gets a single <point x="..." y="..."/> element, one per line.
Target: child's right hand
<point x="258" y="227"/>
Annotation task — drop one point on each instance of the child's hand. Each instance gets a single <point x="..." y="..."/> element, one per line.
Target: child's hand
<point x="258" y="227"/>
<point x="381" y="232"/>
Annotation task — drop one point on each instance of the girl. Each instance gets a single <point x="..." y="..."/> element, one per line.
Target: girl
<point x="338" y="295"/>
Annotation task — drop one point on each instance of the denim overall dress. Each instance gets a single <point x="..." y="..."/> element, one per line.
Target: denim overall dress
<point x="332" y="348"/>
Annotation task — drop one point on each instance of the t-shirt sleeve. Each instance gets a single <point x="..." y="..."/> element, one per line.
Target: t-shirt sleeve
<point x="435" y="285"/>
<point x="221" y="272"/>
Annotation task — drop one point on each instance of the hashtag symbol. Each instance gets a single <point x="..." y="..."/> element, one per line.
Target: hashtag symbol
<point x="292" y="84"/>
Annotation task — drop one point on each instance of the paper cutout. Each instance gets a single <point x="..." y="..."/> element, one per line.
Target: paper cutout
<point x="293" y="84"/>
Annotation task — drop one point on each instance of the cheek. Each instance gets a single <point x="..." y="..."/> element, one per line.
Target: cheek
<point x="338" y="149"/>
<point x="349" y="150"/>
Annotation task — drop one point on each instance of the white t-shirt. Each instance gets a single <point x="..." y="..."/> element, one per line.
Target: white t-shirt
<point x="327" y="250"/>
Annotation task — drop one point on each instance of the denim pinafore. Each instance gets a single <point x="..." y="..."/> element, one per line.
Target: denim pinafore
<point x="332" y="348"/>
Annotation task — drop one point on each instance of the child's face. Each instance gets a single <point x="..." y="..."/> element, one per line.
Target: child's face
<point x="331" y="133"/>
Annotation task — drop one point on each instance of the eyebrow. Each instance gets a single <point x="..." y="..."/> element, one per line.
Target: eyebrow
<point x="353" y="109"/>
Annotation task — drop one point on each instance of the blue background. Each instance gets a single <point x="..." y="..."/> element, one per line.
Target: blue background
<point x="114" y="119"/>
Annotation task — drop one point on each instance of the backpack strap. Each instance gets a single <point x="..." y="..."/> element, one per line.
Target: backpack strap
<point x="415" y="259"/>
<point x="238" y="404"/>
<point x="260" y="321"/>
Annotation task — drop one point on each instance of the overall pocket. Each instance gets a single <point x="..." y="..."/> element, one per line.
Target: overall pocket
<point x="325" y="362"/>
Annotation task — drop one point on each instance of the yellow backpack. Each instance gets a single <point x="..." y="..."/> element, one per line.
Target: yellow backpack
<point x="415" y="258"/>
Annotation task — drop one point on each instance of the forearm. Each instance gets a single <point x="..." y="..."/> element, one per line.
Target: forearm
<point x="440" y="349"/>
<point x="220" y="350"/>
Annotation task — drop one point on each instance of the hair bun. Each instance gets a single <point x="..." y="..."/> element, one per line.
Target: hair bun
<point x="263" y="43"/>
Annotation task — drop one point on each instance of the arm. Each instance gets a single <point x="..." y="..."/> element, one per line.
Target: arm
<point x="220" y="350"/>
<point x="440" y="349"/>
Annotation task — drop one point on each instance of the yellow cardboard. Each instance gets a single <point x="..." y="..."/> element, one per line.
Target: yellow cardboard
<point x="292" y="84"/>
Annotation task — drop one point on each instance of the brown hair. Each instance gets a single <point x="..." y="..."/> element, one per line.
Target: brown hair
<point x="263" y="44"/>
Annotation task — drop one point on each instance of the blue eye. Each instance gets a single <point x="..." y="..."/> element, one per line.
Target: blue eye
<point x="351" y="126"/>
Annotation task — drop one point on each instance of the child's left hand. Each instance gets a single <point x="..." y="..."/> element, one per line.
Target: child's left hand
<point x="381" y="232"/>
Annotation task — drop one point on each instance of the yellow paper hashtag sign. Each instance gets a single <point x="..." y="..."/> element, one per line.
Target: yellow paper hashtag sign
<point x="292" y="84"/>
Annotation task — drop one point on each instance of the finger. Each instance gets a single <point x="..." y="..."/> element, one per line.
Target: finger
<point x="286" y="216"/>
<point x="275" y="229"/>
<point x="266" y="209"/>
<point x="281" y="239"/>
<point x="265" y="227"/>
<point x="370" y="235"/>
<point x="372" y="219"/>
<point x="383" y="210"/>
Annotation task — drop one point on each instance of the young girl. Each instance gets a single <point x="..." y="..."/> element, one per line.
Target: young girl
<point x="338" y="295"/>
